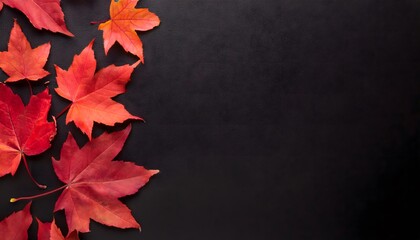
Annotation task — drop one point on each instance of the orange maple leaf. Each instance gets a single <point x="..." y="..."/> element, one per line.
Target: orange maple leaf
<point x="125" y="20"/>
<point x="91" y="93"/>
<point x="21" y="61"/>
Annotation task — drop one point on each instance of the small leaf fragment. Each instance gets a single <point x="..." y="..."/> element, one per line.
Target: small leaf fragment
<point x="15" y="226"/>
<point x="50" y="231"/>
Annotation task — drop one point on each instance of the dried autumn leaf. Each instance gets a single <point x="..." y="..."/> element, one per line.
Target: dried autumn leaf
<point x="15" y="226"/>
<point x="24" y="129"/>
<point x="91" y="93"/>
<point x="50" y="231"/>
<point x="94" y="182"/>
<point x="125" y="20"/>
<point x="45" y="14"/>
<point x="21" y="61"/>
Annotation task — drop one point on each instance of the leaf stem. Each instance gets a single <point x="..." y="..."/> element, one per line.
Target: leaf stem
<point x="98" y="22"/>
<point x="63" y="111"/>
<point x="30" y="174"/>
<point x="38" y="195"/>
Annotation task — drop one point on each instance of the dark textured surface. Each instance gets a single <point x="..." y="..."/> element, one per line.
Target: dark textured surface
<point x="271" y="119"/>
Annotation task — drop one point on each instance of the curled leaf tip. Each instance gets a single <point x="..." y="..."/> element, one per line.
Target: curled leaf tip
<point x="134" y="65"/>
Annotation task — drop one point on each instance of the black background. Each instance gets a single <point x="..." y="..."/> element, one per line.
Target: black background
<point x="270" y="119"/>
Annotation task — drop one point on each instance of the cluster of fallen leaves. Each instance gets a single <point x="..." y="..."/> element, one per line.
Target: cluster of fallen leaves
<point x="92" y="181"/>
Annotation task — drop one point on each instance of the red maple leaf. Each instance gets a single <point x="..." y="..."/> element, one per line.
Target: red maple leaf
<point x="125" y="20"/>
<point x="94" y="182"/>
<point x="24" y="129"/>
<point x="91" y="93"/>
<point x="15" y="226"/>
<point x="50" y="231"/>
<point x="45" y="14"/>
<point x="21" y="61"/>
